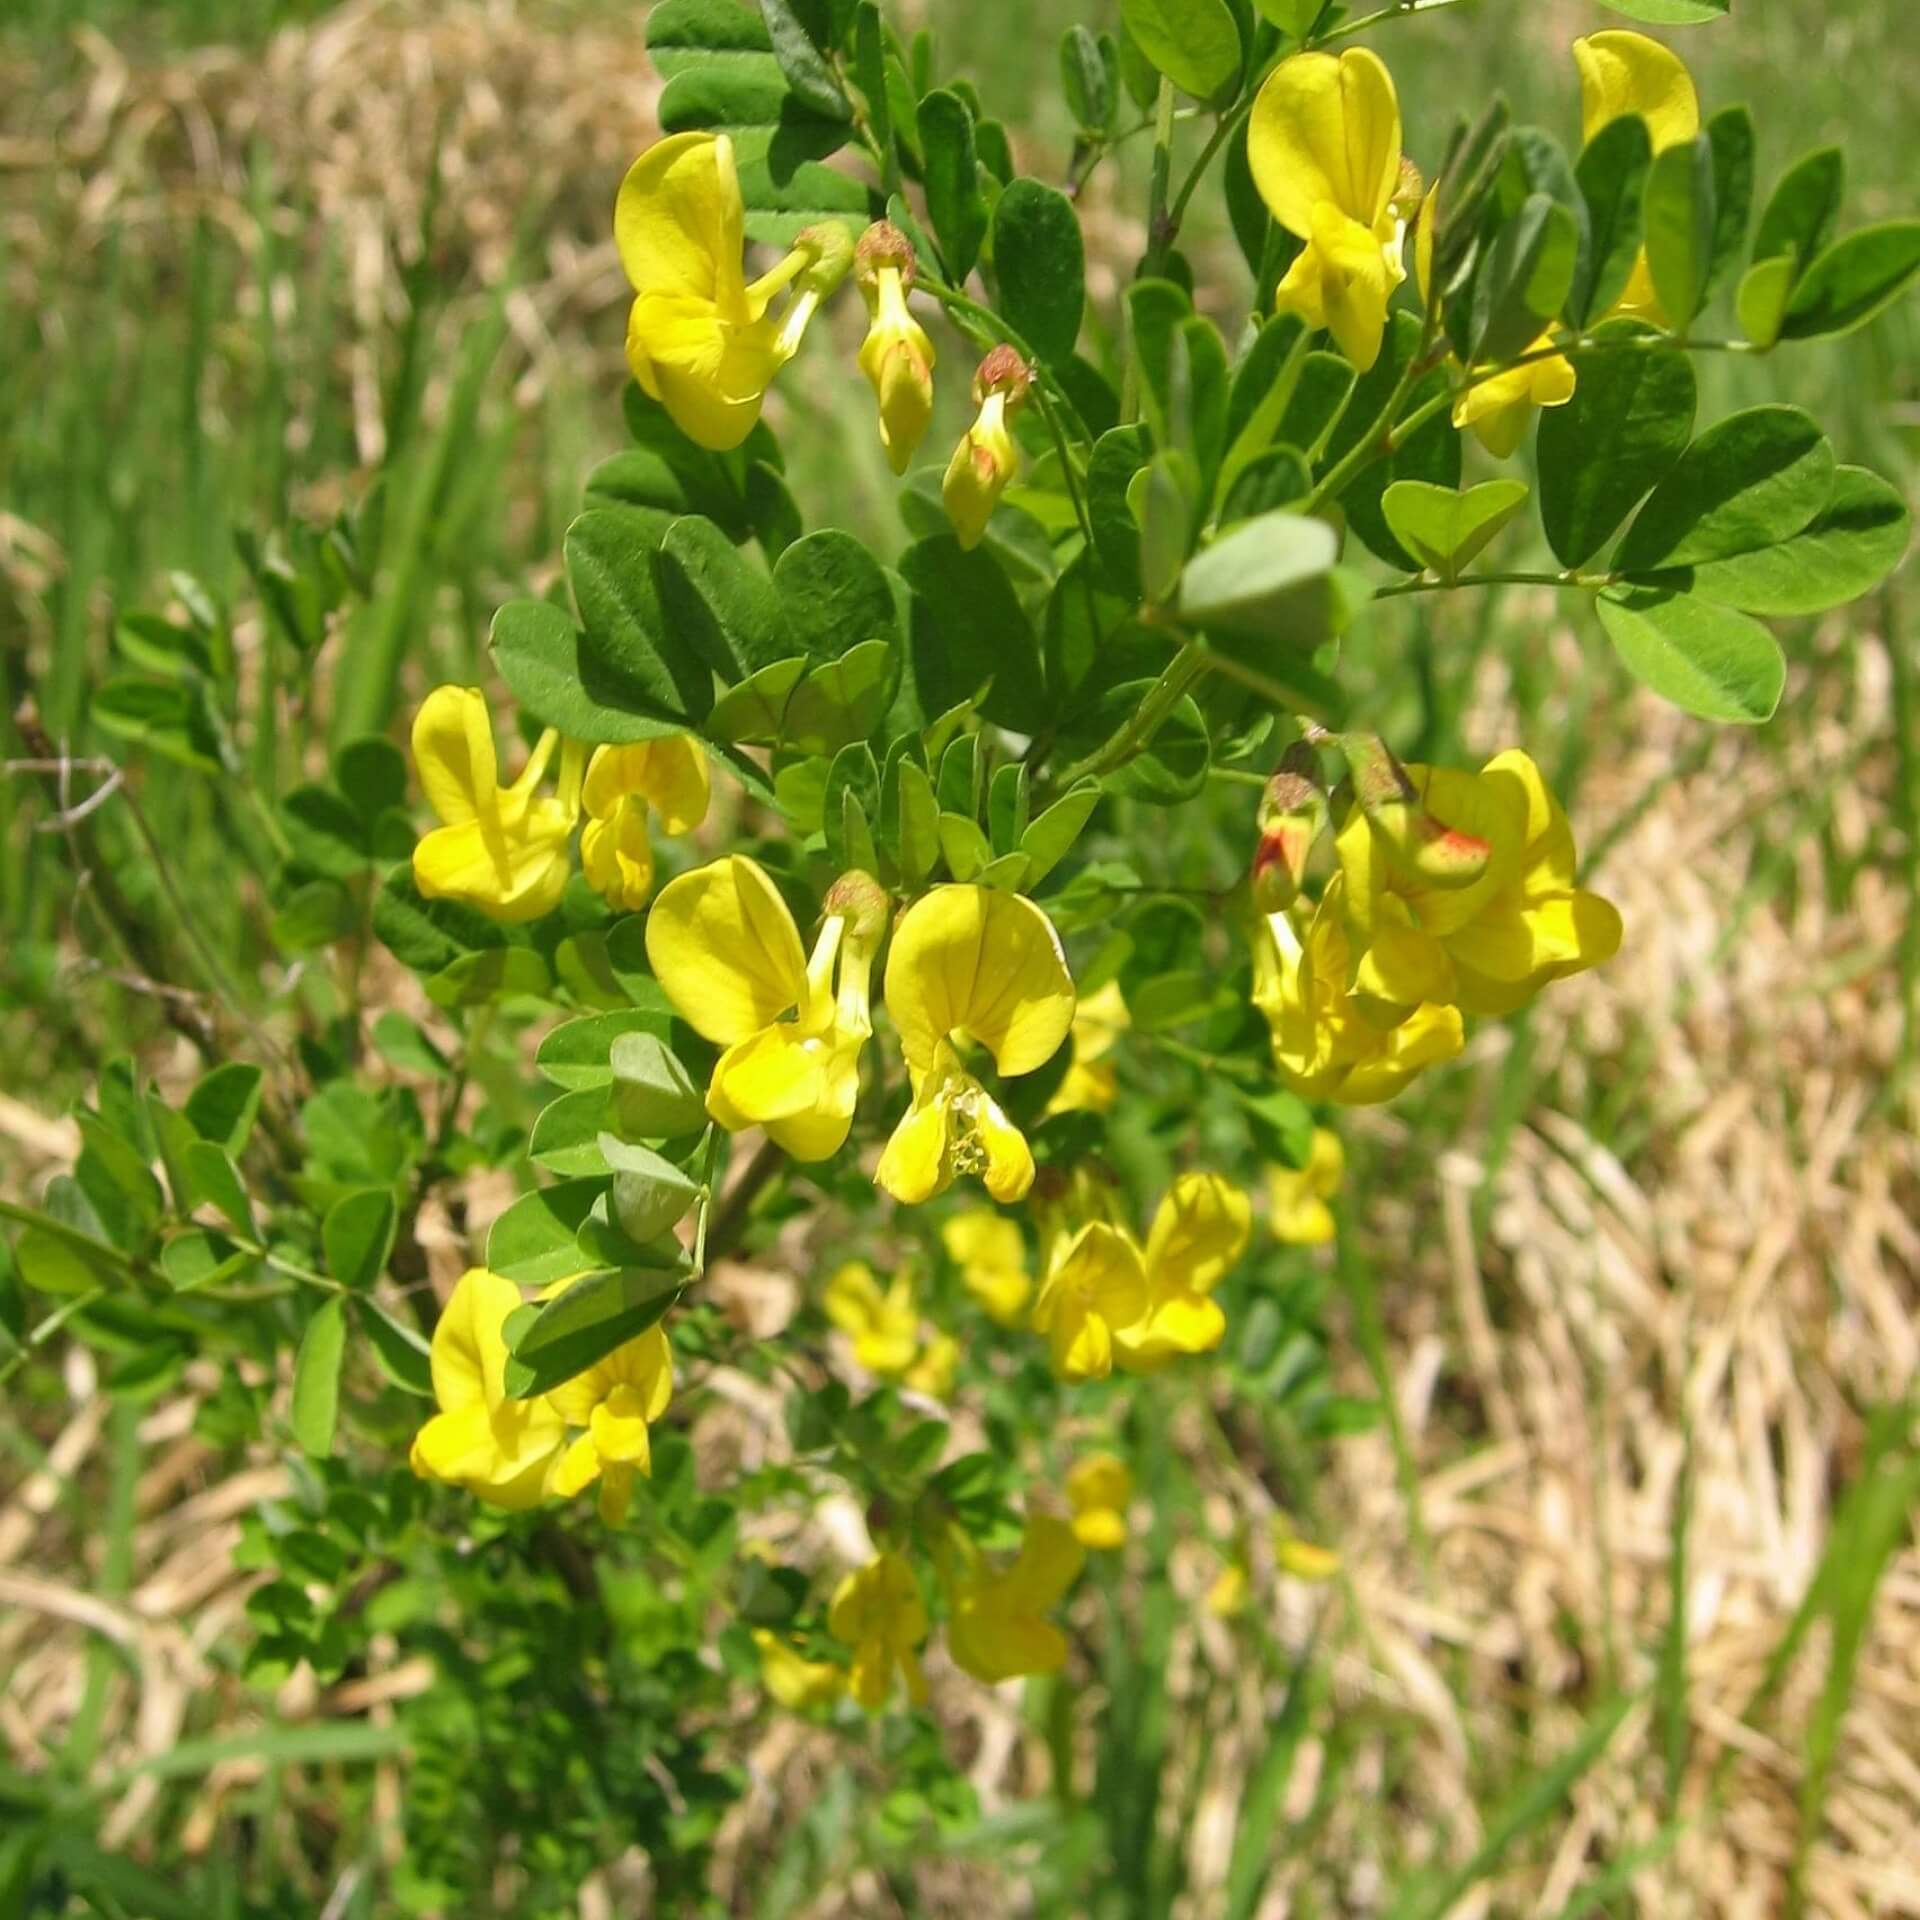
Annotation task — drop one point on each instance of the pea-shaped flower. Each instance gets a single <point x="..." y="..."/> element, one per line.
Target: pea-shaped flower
<point x="498" y="1448"/>
<point x="883" y="1324"/>
<point x="623" y="786"/>
<point x="1198" y="1234"/>
<point x="878" y="1612"/>
<point x="992" y="1259"/>
<point x="1487" y="947"/>
<point x="969" y="965"/>
<point x="1297" y="1211"/>
<point x="614" y="1400"/>
<point x="1324" y="147"/>
<point x="500" y="849"/>
<point x="1099" y="1488"/>
<point x="999" y="1629"/>
<point x="1324" y="1047"/>
<point x="724" y="947"/>
<point x="1622" y="73"/>
<point x="699" y="337"/>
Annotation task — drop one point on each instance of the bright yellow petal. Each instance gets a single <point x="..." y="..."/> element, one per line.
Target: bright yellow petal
<point x="914" y="1166"/>
<point x="1357" y="276"/>
<point x="852" y="1299"/>
<point x="1199" y="1232"/>
<point x="1008" y="1173"/>
<point x="1326" y="129"/>
<point x="453" y="753"/>
<point x="1623" y="72"/>
<point x="1180" y="1323"/>
<point x="619" y="1430"/>
<point x="468" y="1357"/>
<point x="982" y="1239"/>
<point x="725" y="949"/>
<point x="772" y="1076"/>
<point x="576" y="1469"/>
<point x="455" y="1447"/>
<point x="796" y="1683"/>
<point x="988" y="963"/>
<point x="678" y="221"/>
<point x="1049" y="1563"/>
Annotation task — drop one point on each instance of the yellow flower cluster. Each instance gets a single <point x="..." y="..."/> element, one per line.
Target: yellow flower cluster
<point x="504" y="850"/>
<point x="1364" y="989"/>
<point x="1323" y="144"/>
<point x="515" y="1453"/>
<point x="705" y="342"/>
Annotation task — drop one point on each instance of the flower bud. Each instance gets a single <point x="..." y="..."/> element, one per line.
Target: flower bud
<point x="984" y="461"/>
<point x="1425" y="849"/>
<point x="1293" y="809"/>
<point x="896" y="356"/>
<point x="860" y="900"/>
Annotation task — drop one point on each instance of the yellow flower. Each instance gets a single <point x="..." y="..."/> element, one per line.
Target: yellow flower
<point x="498" y="1448"/>
<point x="1227" y="1597"/>
<point x="1098" y="1022"/>
<point x="878" y="1612"/>
<point x="1197" y="1237"/>
<point x="1297" y="1197"/>
<point x="992" y="1259"/>
<point x="974" y="964"/>
<point x="1301" y="1558"/>
<point x="1324" y="146"/>
<point x="984" y="461"/>
<point x="999" y="1629"/>
<point x="1622" y="73"/>
<point x="500" y="849"/>
<point x="932" y="1374"/>
<point x="896" y="356"/>
<point x="1498" y="409"/>
<point x="614" y="1400"/>
<point x="1323" y="1047"/>
<point x="699" y="338"/>
<point x="1096" y="1284"/>
<point x="1099" y="1486"/>
<point x="794" y="1681"/>
<point x="884" y="1327"/>
<point x="726" y="951"/>
<point x="1490" y="946"/>
<point x="622" y="783"/>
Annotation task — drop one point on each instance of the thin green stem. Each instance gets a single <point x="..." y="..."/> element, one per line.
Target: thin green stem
<point x="1405" y="11"/>
<point x="1159" y="222"/>
<point x="1375" y="444"/>
<point x="1517" y="577"/>
<point x="1162" y="697"/>
<point x="988" y="325"/>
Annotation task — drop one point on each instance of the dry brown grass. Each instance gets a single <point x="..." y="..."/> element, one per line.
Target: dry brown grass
<point x="1748" y="1271"/>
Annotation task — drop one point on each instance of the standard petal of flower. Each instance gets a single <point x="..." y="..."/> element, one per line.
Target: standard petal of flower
<point x="1623" y="72"/>
<point x="1199" y="1232"/>
<point x="677" y="222"/>
<point x="725" y="949"/>
<point x="468" y="1356"/>
<point x="453" y="753"/>
<point x="1326" y="129"/>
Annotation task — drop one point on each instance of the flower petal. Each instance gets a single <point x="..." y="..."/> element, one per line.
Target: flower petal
<point x="988" y="963"/>
<point x="453" y="753"/>
<point x="1049" y="1563"/>
<point x="1326" y="129"/>
<point x="725" y="948"/>
<point x="1199" y="1232"/>
<point x="1622" y="72"/>
<point x="468" y="1357"/>
<point x="914" y="1166"/>
<point x="678" y="221"/>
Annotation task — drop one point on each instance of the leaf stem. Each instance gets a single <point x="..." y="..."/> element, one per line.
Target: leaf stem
<point x="1163" y="696"/>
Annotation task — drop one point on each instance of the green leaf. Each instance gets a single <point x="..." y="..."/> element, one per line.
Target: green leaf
<point x="202" y="1258"/>
<point x="314" y="915"/>
<point x="225" y="1103"/>
<point x="1039" y="257"/>
<point x="1007" y="806"/>
<point x="919" y="835"/>
<point x="970" y="629"/>
<point x="1156" y="310"/>
<point x="654" y="1097"/>
<point x="403" y="1356"/>
<point x="1089" y="78"/>
<point x="1117" y="456"/>
<point x="1761" y="301"/>
<point x="1612" y="175"/>
<point x="727" y="613"/>
<point x="834" y="594"/>
<point x="51" y="1261"/>
<point x="754" y="713"/>
<point x="854" y="774"/>
<point x="537" y="649"/>
<point x="1681" y="223"/>
<point x="629" y="656"/>
<point x="1050" y="838"/>
<point x="566" y="1136"/>
<point x="1626" y="425"/>
<point x="1197" y="414"/>
<point x="1525" y="279"/>
<point x="169" y="717"/>
<point x="955" y="203"/>
<point x="579" y="1053"/>
<point x="1165" y="499"/>
<point x="216" y="1181"/>
<point x="483" y="979"/>
<point x="325" y="832"/>
<point x="1730" y="135"/>
<point x="1848" y="548"/>
<point x="842" y="700"/>
<point x="1803" y="211"/>
<point x="1193" y="42"/>
<point x="1671" y="13"/>
<point x="964" y="846"/>
<point x="649" y="1192"/>
<point x="428" y="935"/>
<point x="1752" y="479"/>
<point x="597" y="1313"/>
<point x="1445" y="530"/>
<point x="806" y="71"/>
<point x="536" y="1240"/>
<point x="357" y="1237"/>
<point x="1266" y="580"/>
<point x="316" y="1379"/>
<point x="1707" y="659"/>
<point x="1854" y="280"/>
